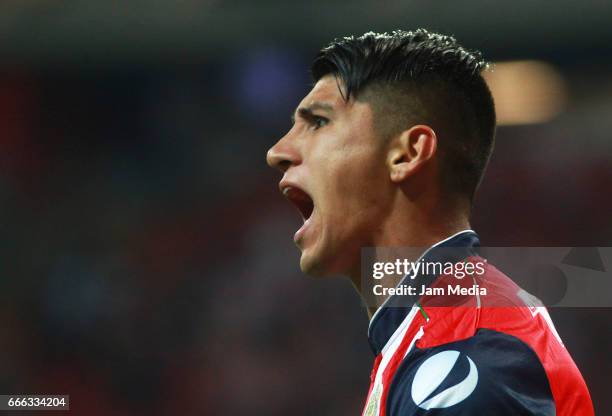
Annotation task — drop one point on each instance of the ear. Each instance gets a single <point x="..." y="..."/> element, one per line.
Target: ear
<point x="412" y="149"/>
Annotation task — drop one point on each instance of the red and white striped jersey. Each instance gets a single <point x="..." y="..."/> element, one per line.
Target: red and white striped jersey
<point x="497" y="354"/>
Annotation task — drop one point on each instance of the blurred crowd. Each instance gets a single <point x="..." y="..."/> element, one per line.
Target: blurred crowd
<point x="147" y="264"/>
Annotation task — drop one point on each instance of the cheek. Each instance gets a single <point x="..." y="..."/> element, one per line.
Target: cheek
<point x="358" y="185"/>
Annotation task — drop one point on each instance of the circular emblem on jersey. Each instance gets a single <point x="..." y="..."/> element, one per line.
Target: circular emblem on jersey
<point x="432" y="373"/>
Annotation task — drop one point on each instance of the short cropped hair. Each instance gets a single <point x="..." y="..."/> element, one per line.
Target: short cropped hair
<point x="422" y="78"/>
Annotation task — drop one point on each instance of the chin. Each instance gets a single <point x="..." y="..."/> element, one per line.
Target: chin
<point x="311" y="267"/>
<point x="321" y="264"/>
<point x="313" y="264"/>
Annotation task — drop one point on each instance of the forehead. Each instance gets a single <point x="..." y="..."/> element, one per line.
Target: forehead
<point x="326" y="90"/>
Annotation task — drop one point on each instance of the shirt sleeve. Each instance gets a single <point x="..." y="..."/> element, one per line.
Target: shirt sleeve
<point x="490" y="373"/>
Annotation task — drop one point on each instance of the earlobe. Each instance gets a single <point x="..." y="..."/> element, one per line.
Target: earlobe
<point x="412" y="149"/>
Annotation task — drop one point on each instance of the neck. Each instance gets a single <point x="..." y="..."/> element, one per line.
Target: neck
<point x="412" y="227"/>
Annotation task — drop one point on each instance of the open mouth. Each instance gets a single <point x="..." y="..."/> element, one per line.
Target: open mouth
<point x="302" y="201"/>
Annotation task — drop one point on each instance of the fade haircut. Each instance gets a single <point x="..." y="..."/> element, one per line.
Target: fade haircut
<point x="420" y="77"/>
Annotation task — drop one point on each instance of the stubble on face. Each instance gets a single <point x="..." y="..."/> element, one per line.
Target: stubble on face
<point x="344" y="164"/>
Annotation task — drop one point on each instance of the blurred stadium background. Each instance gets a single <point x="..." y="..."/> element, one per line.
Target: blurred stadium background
<point x="146" y="262"/>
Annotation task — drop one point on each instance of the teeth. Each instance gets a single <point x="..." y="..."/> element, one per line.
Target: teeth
<point x="300" y="199"/>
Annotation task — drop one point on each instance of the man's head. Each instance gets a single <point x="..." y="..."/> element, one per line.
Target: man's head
<point x="392" y="121"/>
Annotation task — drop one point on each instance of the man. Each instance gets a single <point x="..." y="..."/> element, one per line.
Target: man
<point x="387" y="150"/>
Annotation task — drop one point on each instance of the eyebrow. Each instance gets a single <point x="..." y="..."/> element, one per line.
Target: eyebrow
<point x="308" y="111"/>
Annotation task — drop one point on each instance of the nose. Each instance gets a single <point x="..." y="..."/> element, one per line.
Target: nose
<point x="282" y="155"/>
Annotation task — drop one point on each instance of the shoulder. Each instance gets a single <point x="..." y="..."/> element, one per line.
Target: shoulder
<point x="490" y="370"/>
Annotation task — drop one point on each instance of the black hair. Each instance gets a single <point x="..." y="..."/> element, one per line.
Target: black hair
<point x="445" y="79"/>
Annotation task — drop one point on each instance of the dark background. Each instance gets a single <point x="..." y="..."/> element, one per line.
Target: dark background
<point x="147" y="264"/>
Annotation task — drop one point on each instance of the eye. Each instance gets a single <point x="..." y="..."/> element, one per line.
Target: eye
<point x="318" y="122"/>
